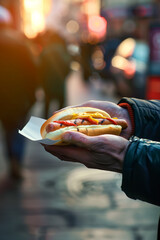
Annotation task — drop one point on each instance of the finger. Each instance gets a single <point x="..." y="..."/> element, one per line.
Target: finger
<point x="110" y="107"/>
<point x="91" y="103"/>
<point x="69" y="153"/>
<point x="76" y="138"/>
<point x="57" y="151"/>
<point x="85" y="104"/>
<point x="95" y="104"/>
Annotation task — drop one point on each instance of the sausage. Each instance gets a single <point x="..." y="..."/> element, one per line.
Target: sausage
<point x="77" y="122"/>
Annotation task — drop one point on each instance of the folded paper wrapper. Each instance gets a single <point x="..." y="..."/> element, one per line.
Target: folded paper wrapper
<point x="32" y="131"/>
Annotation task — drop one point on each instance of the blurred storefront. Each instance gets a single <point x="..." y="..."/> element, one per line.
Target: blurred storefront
<point x="136" y="71"/>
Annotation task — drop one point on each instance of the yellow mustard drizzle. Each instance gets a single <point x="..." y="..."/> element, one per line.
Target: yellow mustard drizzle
<point x="85" y="115"/>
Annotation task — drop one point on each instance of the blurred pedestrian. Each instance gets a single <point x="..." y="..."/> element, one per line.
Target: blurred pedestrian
<point x="18" y="84"/>
<point x="54" y="68"/>
<point x="86" y="51"/>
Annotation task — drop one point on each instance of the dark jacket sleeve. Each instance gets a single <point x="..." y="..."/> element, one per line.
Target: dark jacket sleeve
<point x="146" y="117"/>
<point x="141" y="169"/>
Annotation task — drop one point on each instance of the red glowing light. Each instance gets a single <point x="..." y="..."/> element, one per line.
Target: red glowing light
<point x="97" y="24"/>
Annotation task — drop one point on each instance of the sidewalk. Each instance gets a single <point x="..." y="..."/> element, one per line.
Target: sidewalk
<point x="66" y="201"/>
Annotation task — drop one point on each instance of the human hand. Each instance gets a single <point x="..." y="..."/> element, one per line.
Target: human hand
<point x="114" y="110"/>
<point x="105" y="152"/>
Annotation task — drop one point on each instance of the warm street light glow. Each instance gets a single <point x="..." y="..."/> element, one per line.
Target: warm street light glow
<point x="125" y="65"/>
<point x="33" y="15"/>
<point x="98" y="59"/>
<point x="97" y="27"/>
<point x="120" y="62"/>
<point x="91" y="7"/>
<point x="126" y="48"/>
<point x="72" y="26"/>
<point x="97" y="24"/>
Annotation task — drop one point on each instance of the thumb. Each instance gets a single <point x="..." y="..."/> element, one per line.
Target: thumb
<point x="76" y="138"/>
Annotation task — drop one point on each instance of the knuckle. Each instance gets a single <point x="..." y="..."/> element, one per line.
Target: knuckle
<point x="98" y="144"/>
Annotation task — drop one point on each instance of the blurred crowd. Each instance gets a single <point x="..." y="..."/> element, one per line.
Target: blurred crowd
<point x="44" y="62"/>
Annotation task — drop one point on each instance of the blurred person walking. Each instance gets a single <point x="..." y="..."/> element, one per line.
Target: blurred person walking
<point x="18" y="84"/>
<point x="54" y="66"/>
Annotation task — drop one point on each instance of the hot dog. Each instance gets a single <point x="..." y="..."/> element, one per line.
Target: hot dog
<point x="87" y="120"/>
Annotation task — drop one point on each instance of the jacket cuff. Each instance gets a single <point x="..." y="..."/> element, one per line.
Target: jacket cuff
<point x="131" y="114"/>
<point x="146" y="117"/>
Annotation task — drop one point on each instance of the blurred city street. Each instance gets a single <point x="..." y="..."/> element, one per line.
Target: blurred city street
<point x="58" y="200"/>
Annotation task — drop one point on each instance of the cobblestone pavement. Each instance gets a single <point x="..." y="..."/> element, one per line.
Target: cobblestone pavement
<point x="66" y="201"/>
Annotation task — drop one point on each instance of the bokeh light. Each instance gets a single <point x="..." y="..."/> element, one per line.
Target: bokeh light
<point x="72" y="26"/>
<point x="33" y="16"/>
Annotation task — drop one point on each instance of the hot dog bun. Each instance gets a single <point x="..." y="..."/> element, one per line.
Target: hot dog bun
<point x="90" y="130"/>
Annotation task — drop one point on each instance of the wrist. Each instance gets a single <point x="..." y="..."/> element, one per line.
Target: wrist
<point x="117" y="150"/>
<point x="121" y="156"/>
